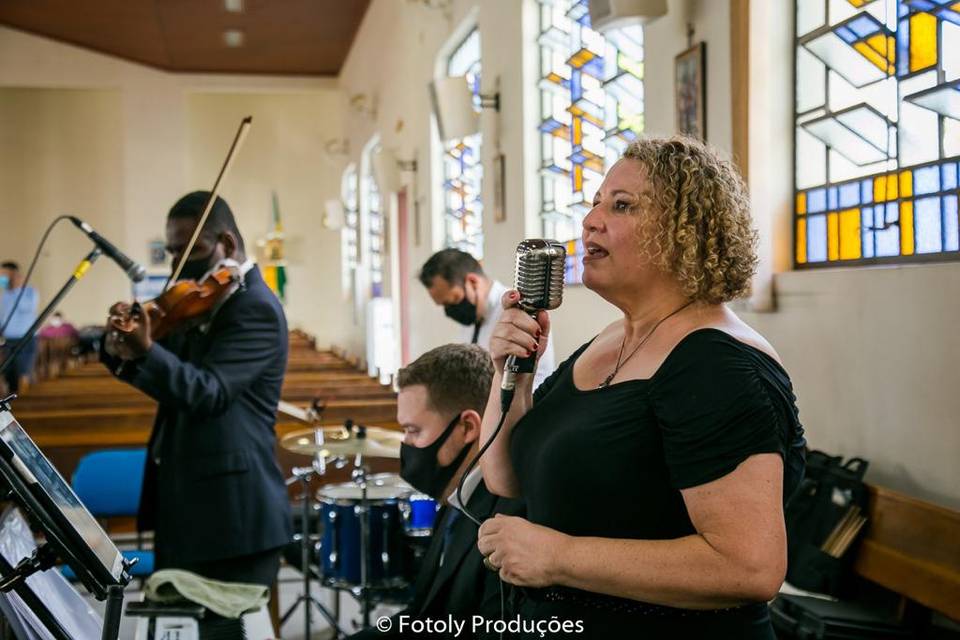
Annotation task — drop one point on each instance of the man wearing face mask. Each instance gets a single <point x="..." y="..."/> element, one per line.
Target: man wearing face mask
<point x="440" y="406"/>
<point x="18" y="311"/>
<point x="456" y="281"/>
<point x="212" y="490"/>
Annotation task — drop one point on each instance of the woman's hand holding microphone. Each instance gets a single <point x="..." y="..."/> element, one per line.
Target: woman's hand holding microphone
<point x="516" y="333"/>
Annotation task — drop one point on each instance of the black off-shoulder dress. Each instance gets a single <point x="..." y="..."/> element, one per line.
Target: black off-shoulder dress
<point x="611" y="463"/>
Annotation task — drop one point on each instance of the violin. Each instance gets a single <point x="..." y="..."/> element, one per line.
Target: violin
<point x="184" y="304"/>
<point x="187" y="302"/>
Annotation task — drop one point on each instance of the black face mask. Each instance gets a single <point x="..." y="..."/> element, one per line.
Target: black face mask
<point x="419" y="466"/>
<point x="464" y="312"/>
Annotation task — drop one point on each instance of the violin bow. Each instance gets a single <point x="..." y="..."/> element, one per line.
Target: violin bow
<point x="237" y="141"/>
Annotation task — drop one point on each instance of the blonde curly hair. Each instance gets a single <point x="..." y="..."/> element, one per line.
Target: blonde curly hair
<point x="701" y="231"/>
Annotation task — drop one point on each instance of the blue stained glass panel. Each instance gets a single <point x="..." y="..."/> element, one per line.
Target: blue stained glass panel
<point x="866" y="230"/>
<point x="949" y="175"/>
<point x="833" y="202"/>
<point x="816" y="201"/>
<point x="863" y="26"/>
<point x="849" y="195"/>
<point x="888" y="240"/>
<point x="866" y="191"/>
<point x="816" y="239"/>
<point x="903" y="48"/>
<point x="951" y="225"/>
<point x="848" y="36"/>
<point x="927" y="219"/>
<point x="926" y="180"/>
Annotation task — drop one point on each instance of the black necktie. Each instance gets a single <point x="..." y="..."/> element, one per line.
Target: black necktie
<point x="476" y="333"/>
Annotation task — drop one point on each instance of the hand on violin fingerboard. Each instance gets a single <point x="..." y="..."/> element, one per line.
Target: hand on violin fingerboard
<point x="128" y="332"/>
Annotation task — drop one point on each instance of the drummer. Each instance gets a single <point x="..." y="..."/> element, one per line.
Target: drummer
<point x="442" y="395"/>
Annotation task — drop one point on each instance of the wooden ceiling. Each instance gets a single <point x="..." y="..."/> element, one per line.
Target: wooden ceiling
<point x="281" y="37"/>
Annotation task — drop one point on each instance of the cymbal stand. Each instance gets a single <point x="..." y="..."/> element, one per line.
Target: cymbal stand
<point x="359" y="476"/>
<point x="303" y="475"/>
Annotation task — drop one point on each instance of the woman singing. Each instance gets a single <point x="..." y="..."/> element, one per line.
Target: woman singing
<point x="655" y="461"/>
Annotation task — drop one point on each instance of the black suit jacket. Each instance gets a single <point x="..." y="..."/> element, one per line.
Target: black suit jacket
<point x="217" y="491"/>
<point x="462" y="587"/>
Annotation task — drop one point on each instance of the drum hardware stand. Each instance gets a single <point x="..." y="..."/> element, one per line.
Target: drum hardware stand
<point x="304" y="475"/>
<point x="359" y="476"/>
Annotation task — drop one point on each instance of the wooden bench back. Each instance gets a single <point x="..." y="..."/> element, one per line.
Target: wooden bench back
<point x="912" y="547"/>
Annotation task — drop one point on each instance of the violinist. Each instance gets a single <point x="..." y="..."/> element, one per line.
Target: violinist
<point x="212" y="490"/>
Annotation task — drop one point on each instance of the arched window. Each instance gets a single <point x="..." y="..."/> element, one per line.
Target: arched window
<point x="375" y="223"/>
<point x="462" y="169"/>
<point x="349" y="234"/>
<point x="591" y="107"/>
<point x="877" y="117"/>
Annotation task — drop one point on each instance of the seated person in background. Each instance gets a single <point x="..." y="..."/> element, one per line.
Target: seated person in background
<point x="456" y="281"/>
<point x="440" y="405"/>
<point x="57" y="327"/>
<point x="18" y="311"/>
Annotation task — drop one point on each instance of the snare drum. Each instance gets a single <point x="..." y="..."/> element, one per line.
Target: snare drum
<point x="341" y="548"/>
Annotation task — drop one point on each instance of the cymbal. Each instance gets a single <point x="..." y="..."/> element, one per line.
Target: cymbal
<point x="337" y="441"/>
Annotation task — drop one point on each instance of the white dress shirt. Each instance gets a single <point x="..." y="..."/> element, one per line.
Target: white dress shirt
<point x="494" y="308"/>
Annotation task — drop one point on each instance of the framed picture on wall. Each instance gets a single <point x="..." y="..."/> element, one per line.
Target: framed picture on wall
<point x="690" y="85"/>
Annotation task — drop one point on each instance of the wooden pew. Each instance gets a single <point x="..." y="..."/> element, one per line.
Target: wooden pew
<point x="912" y="548"/>
<point x="86" y="408"/>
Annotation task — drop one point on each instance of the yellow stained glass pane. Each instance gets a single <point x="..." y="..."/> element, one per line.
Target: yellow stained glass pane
<point x="885" y="46"/>
<point x="581" y="58"/>
<point x="555" y="77"/>
<point x="577" y="178"/>
<point x="577" y="131"/>
<point x="956" y="7"/>
<point x="802" y="202"/>
<point x="801" y="240"/>
<point x="850" y="248"/>
<point x="923" y="41"/>
<point x="906" y="228"/>
<point x="875" y="58"/>
<point x="857" y="3"/>
<point x="906" y="183"/>
<point x="884" y="189"/>
<point x="833" y="237"/>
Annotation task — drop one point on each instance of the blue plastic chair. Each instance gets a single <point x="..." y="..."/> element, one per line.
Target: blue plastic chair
<point x="108" y="482"/>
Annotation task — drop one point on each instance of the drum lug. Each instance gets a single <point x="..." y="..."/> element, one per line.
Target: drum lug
<point x="332" y="517"/>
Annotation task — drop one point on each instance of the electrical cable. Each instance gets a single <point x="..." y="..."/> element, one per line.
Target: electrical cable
<point x="26" y="280"/>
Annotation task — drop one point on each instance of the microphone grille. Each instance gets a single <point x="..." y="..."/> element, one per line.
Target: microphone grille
<point x="539" y="273"/>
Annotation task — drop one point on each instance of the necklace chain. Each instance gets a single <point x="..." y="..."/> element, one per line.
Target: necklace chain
<point x="606" y="381"/>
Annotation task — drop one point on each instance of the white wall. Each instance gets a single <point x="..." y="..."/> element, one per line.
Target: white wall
<point x="117" y="143"/>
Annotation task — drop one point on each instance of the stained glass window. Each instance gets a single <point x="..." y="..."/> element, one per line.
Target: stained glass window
<point x="877" y="131"/>
<point x="462" y="169"/>
<point x="375" y="227"/>
<point x="349" y="237"/>
<point x="591" y="107"/>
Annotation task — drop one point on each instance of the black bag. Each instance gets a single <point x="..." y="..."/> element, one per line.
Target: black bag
<point x="803" y="618"/>
<point x="828" y="491"/>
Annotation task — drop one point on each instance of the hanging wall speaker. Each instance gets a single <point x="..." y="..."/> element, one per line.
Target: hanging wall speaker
<point x="386" y="170"/>
<point x="452" y="103"/>
<point x="614" y="14"/>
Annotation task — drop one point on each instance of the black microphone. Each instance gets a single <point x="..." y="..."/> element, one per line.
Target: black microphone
<point x="539" y="281"/>
<point x="133" y="270"/>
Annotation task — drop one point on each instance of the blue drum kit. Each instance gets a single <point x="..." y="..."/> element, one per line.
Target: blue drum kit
<point x="373" y="531"/>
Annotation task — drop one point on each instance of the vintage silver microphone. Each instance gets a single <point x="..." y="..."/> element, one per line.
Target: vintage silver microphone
<point x="539" y="280"/>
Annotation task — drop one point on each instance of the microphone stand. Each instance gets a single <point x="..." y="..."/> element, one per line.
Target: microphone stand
<point x="75" y="277"/>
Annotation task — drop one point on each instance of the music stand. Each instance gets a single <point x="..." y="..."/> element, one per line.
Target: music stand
<point x="71" y="533"/>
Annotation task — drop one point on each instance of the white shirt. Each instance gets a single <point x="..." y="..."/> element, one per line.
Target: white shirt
<point x="469" y="486"/>
<point x="547" y="363"/>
